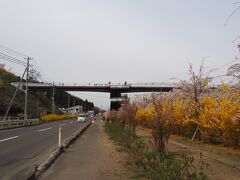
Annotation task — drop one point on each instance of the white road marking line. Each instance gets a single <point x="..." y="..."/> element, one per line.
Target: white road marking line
<point x="14" y="137"/>
<point x="44" y="129"/>
<point x="43" y="124"/>
<point x="5" y="130"/>
<point x="62" y="124"/>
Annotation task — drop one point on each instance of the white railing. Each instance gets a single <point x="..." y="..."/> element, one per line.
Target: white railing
<point x="17" y="123"/>
<point x="10" y="118"/>
<point x="154" y="84"/>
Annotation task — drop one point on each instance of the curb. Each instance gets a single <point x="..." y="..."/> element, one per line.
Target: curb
<point x="38" y="170"/>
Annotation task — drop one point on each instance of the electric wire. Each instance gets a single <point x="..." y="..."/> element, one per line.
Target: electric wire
<point x="11" y="51"/>
<point x="11" y="59"/>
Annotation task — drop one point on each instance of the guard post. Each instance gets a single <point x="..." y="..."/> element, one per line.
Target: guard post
<point x="59" y="136"/>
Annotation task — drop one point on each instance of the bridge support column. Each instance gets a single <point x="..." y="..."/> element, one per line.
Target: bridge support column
<point x="116" y="99"/>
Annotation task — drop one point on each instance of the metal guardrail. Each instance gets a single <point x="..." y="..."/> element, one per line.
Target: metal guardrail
<point x="10" y="118"/>
<point x="17" y="123"/>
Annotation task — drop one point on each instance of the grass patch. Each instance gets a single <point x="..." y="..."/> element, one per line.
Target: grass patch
<point x="152" y="164"/>
<point x="121" y="149"/>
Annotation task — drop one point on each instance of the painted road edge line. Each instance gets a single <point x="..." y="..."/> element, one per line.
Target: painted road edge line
<point x="40" y="130"/>
<point x="61" y="124"/>
<point x="14" y="137"/>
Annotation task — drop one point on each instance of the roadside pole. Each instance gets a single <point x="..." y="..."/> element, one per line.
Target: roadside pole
<point x="26" y="91"/>
<point x="53" y="99"/>
<point x="38" y="107"/>
<point x="59" y="136"/>
<point x="68" y="103"/>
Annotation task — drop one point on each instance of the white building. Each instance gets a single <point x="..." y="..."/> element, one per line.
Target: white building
<point x="72" y="110"/>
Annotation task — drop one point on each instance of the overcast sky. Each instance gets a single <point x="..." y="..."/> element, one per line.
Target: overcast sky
<point x="97" y="41"/>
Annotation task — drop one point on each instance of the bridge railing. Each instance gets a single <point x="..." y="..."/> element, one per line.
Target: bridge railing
<point x="162" y="84"/>
<point x="18" y="123"/>
<point x="99" y="84"/>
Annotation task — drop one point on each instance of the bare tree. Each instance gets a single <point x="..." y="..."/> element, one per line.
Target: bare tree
<point x="129" y="110"/>
<point x="232" y="13"/>
<point x="194" y="88"/>
<point x="162" y="121"/>
<point x="234" y="71"/>
<point x="34" y="75"/>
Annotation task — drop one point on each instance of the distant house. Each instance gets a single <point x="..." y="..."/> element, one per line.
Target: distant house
<point x="72" y="110"/>
<point x="2" y="66"/>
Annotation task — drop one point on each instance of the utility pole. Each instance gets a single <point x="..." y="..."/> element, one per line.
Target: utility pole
<point x="26" y="90"/>
<point x="68" y="103"/>
<point x="38" y="107"/>
<point x="74" y="102"/>
<point x="53" y="103"/>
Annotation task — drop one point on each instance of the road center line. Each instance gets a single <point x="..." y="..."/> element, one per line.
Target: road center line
<point x="14" y="137"/>
<point x="44" y="129"/>
<point x="62" y="124"/>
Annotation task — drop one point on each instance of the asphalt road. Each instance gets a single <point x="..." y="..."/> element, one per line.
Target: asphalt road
<point x="22" y="148"/>
<point x="89" y="158"/>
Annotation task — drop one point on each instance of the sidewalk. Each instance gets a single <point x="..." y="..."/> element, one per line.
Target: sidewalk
<point x="92" y="156"/>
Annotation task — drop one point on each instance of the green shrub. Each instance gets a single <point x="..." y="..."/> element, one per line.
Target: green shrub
<point x="120" y="134"/>
<point x="138" y="150"/>
<point x="163" y="165"/>
<point x="155" y="165"/>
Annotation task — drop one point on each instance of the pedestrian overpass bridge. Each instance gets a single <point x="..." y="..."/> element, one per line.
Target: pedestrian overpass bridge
<point x="115" y="89"/>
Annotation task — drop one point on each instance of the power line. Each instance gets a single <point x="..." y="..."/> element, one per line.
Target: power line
<point x="11" y="59"/>
<point x="39" y="69"/>
<point x="11" y="51"/>
<point x="10" y="55"/>
<point x="36" y="66"/>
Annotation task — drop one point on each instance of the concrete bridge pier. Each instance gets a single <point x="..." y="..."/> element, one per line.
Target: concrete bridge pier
<point x="116" y="99"/>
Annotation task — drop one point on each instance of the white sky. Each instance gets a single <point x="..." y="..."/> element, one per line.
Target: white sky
<point x="82" y="41"/>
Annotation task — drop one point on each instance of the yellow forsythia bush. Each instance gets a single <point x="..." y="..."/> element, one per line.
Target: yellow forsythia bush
<point x="144" y="116"/>
<point x="54" y="117"/>
<point x="218" y="115"/>
<point x="183" y="116"/>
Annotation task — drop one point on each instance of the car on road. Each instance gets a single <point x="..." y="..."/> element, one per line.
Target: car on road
<point x="82" y="118"/>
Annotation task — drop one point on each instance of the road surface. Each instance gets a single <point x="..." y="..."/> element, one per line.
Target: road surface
<point x="22" y="148"/>
<point x="92" y="157"/>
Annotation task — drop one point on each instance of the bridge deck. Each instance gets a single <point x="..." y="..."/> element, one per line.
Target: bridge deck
<point x="107" y="88"/>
